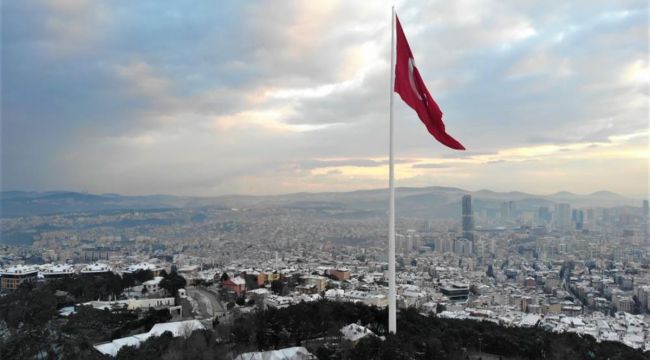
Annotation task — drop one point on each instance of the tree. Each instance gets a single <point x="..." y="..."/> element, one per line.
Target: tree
<point x="637" y="305"/>
<point x="440" y="308"/>
<point x="225" y="277"/>
<point x="199" y="282"/>
<point x="490" y="271"/>
<point x="142" y="275"/>
<point x="473" y="289"/>
<point x="173" y="282"/>
<point x="276" y="286"/>
<point x="29" y="305"/>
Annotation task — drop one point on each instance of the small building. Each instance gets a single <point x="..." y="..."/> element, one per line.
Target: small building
<point x="319" y="282"/>
<point x="354" y="332"/>
<point x="182" y="293"/>
<point x="252" y="279"/>
<point x="96" y="269"/>
<point x="277" y="302"/>
<point x="259" y="297"/>
<point x="456" y="292"/>
<point x="529" y="320"/>
<point x="56" y="271"/>
<point x="307" y="289"/>
<point x="153" y="285"/>
<point x="272" y="276"/>
<point x="292" y="353"/>
<point x="143" y="266"/>
<point x="132" y="304"/>
<point x="13" y="276"/>
<point x="261" y="278"/>
<point x="340" y="274"/>
<point x="236" y="284"/>
<point x="177" y="329"/>
<point x="529" y="282"/>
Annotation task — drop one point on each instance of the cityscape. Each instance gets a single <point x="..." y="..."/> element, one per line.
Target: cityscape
<point x="324" y="180"/>
<point x="563" y="267"/>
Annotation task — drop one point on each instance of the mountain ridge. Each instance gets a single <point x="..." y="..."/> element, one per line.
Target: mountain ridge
<point x="411" y="201"/>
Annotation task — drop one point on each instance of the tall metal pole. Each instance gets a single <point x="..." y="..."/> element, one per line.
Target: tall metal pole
<point x="392" y="293"/>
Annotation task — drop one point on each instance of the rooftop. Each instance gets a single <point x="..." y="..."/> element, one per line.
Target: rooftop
<point x="19" y="269"/>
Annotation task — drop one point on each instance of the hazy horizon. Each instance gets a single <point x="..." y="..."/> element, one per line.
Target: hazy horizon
<point x="208" y="99"/>
<point x="629" y="196"/>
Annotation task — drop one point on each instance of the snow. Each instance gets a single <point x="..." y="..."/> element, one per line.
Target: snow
<point x="238" y="281"/>
<point x="529" y="320"/>
<point x="354" y="332"/>
<point x="19" y="269"/>
<point x="292" y="353"/>
<point x="177" y="328"/>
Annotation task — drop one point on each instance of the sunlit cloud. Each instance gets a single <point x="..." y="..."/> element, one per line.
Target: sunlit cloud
<point x="637" y="72"/>
<point x="270" y="120"/>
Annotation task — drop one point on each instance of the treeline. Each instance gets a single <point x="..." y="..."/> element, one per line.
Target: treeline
<point x="316" y="326"/>
<point x="30" y="325"/>
<point x="418" y="336"/>
<point x="82" y="288"/>
<point x="30" y="328"/>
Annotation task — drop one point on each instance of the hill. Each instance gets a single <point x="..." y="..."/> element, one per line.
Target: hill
<point x="425" y="202"/>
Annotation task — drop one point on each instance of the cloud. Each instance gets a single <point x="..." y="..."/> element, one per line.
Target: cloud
<point x="260" y="97"/>
<point x="431" y="166"/>
<point x="315" y="164"/>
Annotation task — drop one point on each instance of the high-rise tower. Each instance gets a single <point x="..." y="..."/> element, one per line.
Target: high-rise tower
<point x="468" y="218"/>
<point x="646" y="221"/>
<point x="563" y="216"/>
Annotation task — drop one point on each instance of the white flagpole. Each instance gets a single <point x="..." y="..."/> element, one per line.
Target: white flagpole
<point x="392" y="302"/>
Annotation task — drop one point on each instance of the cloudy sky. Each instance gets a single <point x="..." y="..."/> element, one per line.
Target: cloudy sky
<point x="262" y="97"/>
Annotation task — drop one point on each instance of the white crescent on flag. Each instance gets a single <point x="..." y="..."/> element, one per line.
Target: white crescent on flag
<point x="412" y="78"/>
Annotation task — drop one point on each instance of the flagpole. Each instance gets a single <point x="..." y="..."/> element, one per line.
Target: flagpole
<point x="392" y="302"/>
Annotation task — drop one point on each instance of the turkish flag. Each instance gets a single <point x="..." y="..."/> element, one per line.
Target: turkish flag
<point x="411" y="88"/>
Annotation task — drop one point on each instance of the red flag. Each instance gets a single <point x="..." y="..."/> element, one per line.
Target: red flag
<point x="411" y="88"/>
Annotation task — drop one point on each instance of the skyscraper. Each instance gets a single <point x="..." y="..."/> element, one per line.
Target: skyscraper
<point x="512" y="210"/>
<point x="646" y="221"/>
<point x="563" y="216"/>
<point x="505" y="212"/>
<point x="579" y="219"/>
<point x="468" y="218"/>
<point x="543" y="215"/>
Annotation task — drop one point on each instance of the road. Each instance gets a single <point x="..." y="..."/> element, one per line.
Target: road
<point x="207" y="301"/>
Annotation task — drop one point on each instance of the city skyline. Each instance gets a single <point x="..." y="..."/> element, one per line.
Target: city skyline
<point x="200" y="101"/>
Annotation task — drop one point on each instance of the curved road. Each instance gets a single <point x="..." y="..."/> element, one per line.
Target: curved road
<point x="209" y="305"/>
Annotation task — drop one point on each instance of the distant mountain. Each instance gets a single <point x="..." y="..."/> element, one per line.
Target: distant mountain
<point x="598" y="198"/>
<point x="16" y="203"/>
<point x="423" y="202"/>
<point x="563" y="194"/>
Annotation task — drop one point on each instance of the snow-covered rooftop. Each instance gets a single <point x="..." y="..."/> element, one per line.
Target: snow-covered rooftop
<point x="355" y="332"/>
<point x="19" y="270"/>
<point x="142" y="266"/>
<point x="177" y="328"/>
<point x="292" y="353"/>
<point x="96" y="268"/>
<point x="53" y="269"/>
